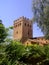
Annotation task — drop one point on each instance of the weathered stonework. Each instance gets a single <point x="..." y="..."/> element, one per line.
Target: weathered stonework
<point x="23" y="32"/>
<point x="38" y="40"/>
<point x="22" y="29"/>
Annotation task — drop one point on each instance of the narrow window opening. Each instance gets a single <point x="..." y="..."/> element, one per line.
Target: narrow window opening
<point x="28" y="33"/>
<point x="25" y="24"/>
<point x="28" y="25"/>
<point x="17" y="32"/>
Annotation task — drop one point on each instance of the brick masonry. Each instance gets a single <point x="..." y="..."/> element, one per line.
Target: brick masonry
<point x="23" y="31"/>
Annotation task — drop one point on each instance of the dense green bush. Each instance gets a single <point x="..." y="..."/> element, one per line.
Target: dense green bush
<point x="16" y="53"/>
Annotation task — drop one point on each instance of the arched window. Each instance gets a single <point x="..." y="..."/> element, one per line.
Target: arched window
<point x="28" y="32"/>
<point x="25" y="24"/>
<point x="28" y="25"/>
<point x="20" y="23"/>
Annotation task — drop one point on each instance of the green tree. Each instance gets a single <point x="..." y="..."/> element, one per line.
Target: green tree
<point x="3" y="33"/>
<point x="41" y="15"/>
<point x="15" y="53"/>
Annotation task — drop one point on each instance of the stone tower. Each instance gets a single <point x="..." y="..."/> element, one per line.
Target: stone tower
<point x="22" y="29"/>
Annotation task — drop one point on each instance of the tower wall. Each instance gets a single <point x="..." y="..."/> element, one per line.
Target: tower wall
<point x="22" y="29"/>
<point x="27" y="28"/>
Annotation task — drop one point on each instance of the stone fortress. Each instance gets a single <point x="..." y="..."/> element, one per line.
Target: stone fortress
<point x="23" y="32"/>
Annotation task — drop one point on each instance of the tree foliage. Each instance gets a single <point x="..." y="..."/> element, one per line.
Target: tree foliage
<point x="3" y="33"/>
<point x="41" y="15"/>
<point x="16" y="53"/>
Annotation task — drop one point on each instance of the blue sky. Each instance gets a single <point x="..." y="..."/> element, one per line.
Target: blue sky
<point x="13" y="9"/>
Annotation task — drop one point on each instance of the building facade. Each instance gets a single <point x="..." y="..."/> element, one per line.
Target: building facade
<point x="22" y="29"/>
<point x="23" y="32"/>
